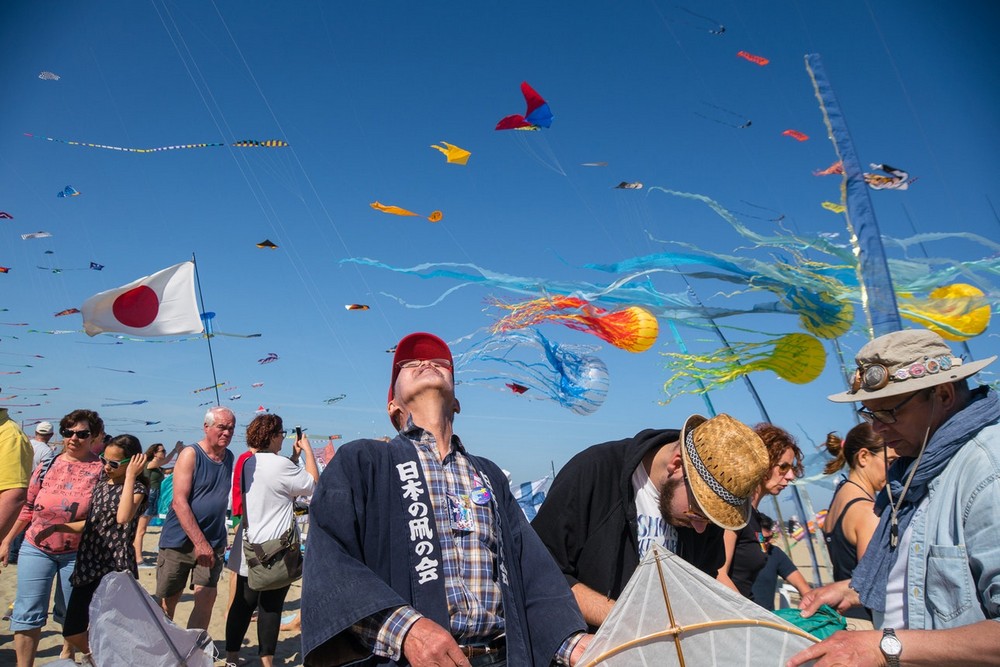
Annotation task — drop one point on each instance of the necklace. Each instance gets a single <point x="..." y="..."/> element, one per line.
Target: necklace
<point x="863" y="490"/>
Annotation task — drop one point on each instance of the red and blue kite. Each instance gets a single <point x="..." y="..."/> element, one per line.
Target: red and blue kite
<point x="537" y="116"/>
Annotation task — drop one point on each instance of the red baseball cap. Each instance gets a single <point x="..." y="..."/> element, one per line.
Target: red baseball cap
<point x="420" y="346"/>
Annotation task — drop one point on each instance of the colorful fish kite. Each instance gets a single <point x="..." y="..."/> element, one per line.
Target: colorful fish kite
<point x="48" y="76"/>
<point x="36" y="235"/>
<point x="757" y="60"/>
<point x="454" y="154"/>
<point x="357" y="306"/>
<point x="271" y="357"/>
<point x="516" y="388"/>
<point x="625" y="185"/>
<point x="835" y="168"/>
<point x="795" y="134"/>
<point x="435" y="216"/>
<point x="538" y="114"/>
<point x="68" y="191"/>
<point x="633" y="329"/>
<point x="68" y="311"/>
<point x="4" y="215"/>
<point x="266" y="243"/>
<point x="832" y="206"/>
<point x="896" y="180"/>
<point x="335" y="399"/>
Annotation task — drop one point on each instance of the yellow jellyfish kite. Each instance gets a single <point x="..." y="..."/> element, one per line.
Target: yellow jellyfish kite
<point x="798" y="358"/>
<point x="454" y="154"/>
<point x="435" y="216"/>
<point x="956" y="312"/>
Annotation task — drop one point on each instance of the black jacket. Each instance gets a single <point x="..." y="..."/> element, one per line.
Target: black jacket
<point x="588" y="519"/>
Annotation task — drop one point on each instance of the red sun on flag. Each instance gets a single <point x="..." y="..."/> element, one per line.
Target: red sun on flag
<point x="137" y="307"/>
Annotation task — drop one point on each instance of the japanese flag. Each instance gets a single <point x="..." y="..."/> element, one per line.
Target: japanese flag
<point x="162" y="304"/>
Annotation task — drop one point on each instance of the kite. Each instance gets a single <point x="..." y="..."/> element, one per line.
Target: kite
<point x="392" y="350"/>
<point x="956" y="312"/>
<point x="795" y="134"/>
<point x="896" y="180"/>
<point x="4" y="269"/>
<point x="94" y="266"/>
<point x="260" y="410"/>
<point x="48" y="76"/>
<point x="593" y="164"/>
<point x="235" y="397"/>
<point x="835" y="168"/>
<point x="757" y="60"/>
<point x="36" y="235"/>
<point x="517" y="388"/>
<point x="832" y="206"/>
<point x="214" y="386"/>
<point x="633" y="329"/>
<point x="271" y="357"/>
<point x="266" y="243"/>
<point x="68" y="311"/>
<point x="565" y="374"/>
<point x="719" y="29"/>
<point x="744" y="122"/>
<point x="110" y="405"/>
<point x="4" y="215"/>
<point x="435" y="216"/>
<point x="256" y="385"/>
<point x="357" y="306"/>
<point x="119" y="370"/>
<point x="331" y="401"/>
<point x="246" y="143"/>
<point x="537" y="116"/>
<point x="68" y="191"/>
<point x="268" y="143"/>
<point x="798" y="358"/>
<point x="454" y="154"/>
<point x="625" y="185"/>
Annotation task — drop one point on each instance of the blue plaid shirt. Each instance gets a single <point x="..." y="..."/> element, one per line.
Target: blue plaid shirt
<point x="469" y="559"/>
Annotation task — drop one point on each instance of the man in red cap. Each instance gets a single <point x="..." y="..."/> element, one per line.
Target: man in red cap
<point x="418" y="552"/>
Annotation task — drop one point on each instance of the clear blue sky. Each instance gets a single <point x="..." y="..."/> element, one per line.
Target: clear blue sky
<point x="359" y="91"/>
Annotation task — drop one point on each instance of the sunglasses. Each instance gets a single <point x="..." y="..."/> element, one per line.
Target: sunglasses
<point x="888" y="416"/>
<point x="82" y="435"/>
<point x="784" y="467"/>
<point x="416" y="363"/>
<point x="114" y="464"/>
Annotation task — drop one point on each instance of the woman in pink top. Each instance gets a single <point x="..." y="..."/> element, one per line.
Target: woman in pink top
<point x="58" y="493"/>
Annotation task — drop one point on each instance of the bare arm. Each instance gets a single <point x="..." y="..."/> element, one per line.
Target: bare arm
<point x="860" y="525"/>
<point x="594" y="606"/>
<point x="801" y="585"/>
<point x="11" y="501"/>
<point x="729" y="540"/>
<point x="310" y="463"/>
<point x="183" y="479"/>
<point x="965" y="646"/>
<point x="130" y="500"/>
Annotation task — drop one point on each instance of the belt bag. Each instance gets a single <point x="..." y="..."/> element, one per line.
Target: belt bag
<point x="274" y="563"/>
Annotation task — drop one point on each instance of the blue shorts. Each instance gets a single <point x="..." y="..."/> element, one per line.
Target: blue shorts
<point x="152" y="509"/>
<point x="35" y="572"/>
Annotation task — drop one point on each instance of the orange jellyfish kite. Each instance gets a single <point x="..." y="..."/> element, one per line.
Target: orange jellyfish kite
<point x="632" y="329"/>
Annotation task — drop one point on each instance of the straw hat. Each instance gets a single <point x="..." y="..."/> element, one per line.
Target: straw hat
<point x="905" y="361"/>
<point x="724" y="461"/>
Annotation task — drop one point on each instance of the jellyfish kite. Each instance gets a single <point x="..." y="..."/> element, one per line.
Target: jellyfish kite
<point x="565" y="374"/>
<point x="537" y="115"/>
<point x="956" y="312"/>
<point x="798" y="358"/>
<point x="632" y="329"/>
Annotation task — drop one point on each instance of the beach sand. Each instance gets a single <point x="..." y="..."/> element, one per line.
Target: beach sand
<point x="289" y="644"/>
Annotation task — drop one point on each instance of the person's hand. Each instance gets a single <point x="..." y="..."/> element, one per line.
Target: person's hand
<point x="204" y="554"/>
<point x="135" y="466"/>
<point x="428" y="644"/>
<point x="179" y="446"/>
<point x="4" y="553"/>
<point x="857" y="648"/>
<point x="578" y="650"/>
<point x="838" y="595"/>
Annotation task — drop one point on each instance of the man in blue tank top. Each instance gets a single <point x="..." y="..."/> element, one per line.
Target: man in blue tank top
<point x="193" y="538"/>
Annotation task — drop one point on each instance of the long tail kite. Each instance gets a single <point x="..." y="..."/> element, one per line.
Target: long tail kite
<point x="245" y="143"/>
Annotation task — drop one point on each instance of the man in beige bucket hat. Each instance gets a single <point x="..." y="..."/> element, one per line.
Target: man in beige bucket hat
<point x="931" y="574"/>
<point x="678" y="489"/>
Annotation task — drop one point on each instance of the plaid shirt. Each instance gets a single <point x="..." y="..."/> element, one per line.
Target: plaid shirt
<point x="469" y="559"/>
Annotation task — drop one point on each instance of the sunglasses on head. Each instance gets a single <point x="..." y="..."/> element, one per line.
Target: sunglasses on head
<point x="114" y="464"/>
<point x="67" y="433"/>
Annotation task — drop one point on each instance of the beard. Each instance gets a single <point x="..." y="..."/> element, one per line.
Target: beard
<point x="667" y="491"/>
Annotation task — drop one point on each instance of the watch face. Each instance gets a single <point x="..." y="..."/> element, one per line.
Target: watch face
<point x="890" y="645"/>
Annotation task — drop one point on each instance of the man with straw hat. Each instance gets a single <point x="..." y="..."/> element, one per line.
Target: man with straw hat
<point x="931" y="574"/>
<point x="677" y="489"/>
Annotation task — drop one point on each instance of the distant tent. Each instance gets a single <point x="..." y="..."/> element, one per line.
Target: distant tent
<point x="673" y="614"/>
<point x="121" y="605"/>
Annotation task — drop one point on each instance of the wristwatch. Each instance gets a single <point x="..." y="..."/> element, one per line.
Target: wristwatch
<point x="891" y="647"/>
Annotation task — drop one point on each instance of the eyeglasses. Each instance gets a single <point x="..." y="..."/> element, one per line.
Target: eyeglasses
<point x="82" y="435"/>
<point x="114" y="464"/>
<point x="416" y="363"/>
<point x="887" y="416"/>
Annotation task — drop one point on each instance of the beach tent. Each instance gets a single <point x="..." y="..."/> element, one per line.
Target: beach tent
<point x="671" y="613"/>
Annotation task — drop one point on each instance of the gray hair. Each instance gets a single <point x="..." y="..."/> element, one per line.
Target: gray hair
<point x="218" y="409"/>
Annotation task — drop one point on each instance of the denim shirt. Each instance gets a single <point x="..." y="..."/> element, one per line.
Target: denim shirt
<point x="953" y="563"/>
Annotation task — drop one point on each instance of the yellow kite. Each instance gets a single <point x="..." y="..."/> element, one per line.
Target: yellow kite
<point x="435" y="216"/>
<point x="454" y="154"/>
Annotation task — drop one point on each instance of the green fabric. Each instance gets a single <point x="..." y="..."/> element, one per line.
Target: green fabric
<point x="820" y="625"/>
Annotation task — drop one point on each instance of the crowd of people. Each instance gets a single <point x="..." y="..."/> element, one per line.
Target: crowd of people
<point x="418" y="553"/>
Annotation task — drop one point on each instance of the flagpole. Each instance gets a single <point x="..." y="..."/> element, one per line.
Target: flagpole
<point x="208" y="335"/>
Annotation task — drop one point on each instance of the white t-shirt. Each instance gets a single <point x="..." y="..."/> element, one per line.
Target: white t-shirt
<point x="652" y="529"/>
<point x="896" y="615"/>
<point x="272" y="483"/>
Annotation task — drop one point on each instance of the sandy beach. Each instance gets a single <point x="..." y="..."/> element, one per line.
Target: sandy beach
<point x="289" y="645"/>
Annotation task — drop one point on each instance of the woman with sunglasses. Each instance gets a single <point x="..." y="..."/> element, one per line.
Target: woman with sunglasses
<point x="107" y="534"/>
<point x="59" y="492"/>
<point x="745" y="550"/>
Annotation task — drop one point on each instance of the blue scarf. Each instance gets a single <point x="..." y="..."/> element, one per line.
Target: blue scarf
<point x="871" y="576"/>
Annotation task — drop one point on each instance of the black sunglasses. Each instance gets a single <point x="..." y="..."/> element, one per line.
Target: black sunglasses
<point x="82" y="435"/>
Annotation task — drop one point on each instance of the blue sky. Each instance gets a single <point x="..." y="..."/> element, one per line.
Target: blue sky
<point x="360" y="91"/>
